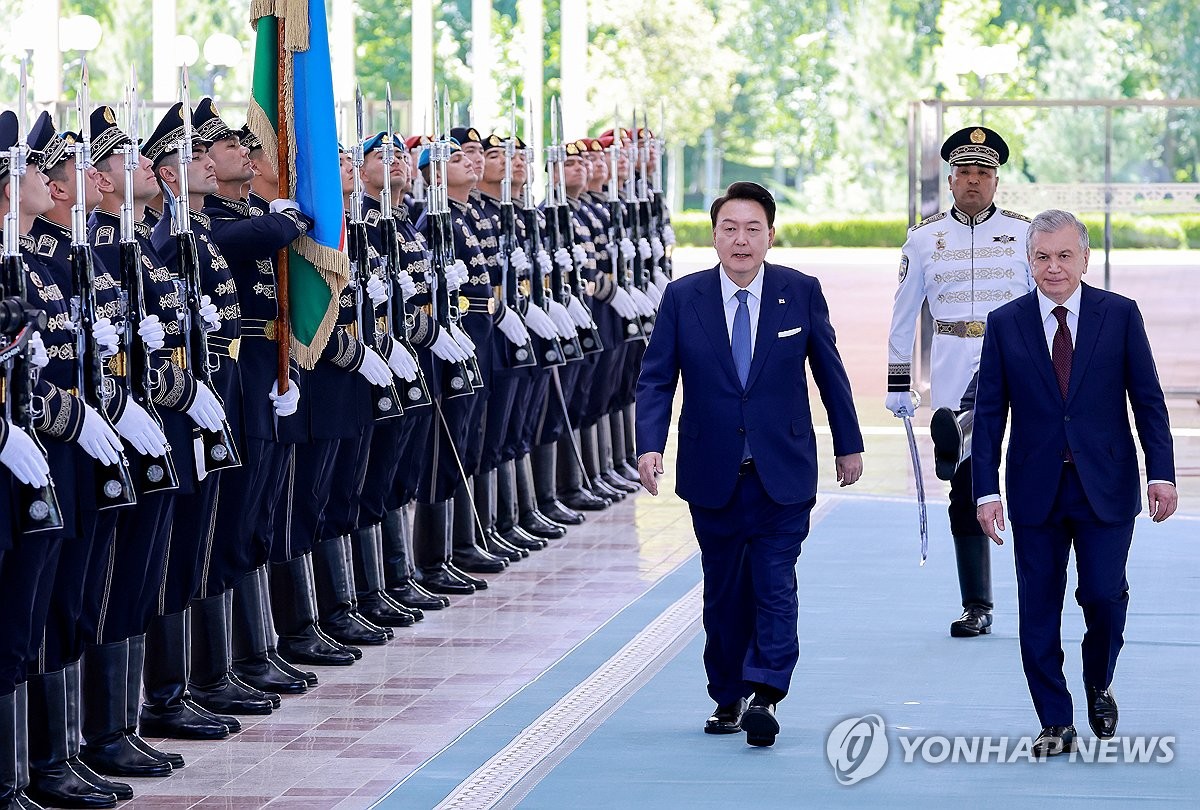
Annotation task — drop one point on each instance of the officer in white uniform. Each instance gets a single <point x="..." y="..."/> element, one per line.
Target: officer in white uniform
<point x="964" y="262"/>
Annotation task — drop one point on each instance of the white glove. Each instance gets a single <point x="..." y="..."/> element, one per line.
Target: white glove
<point x="563" y="321"/>
<point x="562" y="258"/>
<point x="152" y="333"/>
<point x="628" y="251"/>
<point x="456" y="275"/>
<point x="462" y="339"/>
<point x="23" y="458"/>
<point x="643" y="248"/>
<point x="104" y="335"/>
<point x="656" y="249"/>
<point x="517" y="260"/>
<point x="39" y="358"/>
<point x="402" y="364"/>
<point x="283" y="204"/>
<point x="901" y="404"/>
<point x="544" y="262"/>
<point x="579" y="313"/>
<point x="374" y="369"/>
<point x="641" y="302"/>
<point x="623" y="304"/>
<point x="137" y="428"/>
<point x="206" y="411"/>
<point x="512" y="328"/>
<point x="208" y="311"/>
<point x="668" y="235"/>
<point x="446" y="349"/>
<point x="408" y="287"/>
<point x="579" y="254"/>
<point x="284" y="404"/>
<point x="97" y="439"/>
<point x="654" y="294"/>
<point x="539" y="323"/>
<point x="377" y="291"/>
<point x="660" y="280"/>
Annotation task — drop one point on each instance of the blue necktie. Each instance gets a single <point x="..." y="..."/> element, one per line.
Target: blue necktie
<point x="740" y="342"/>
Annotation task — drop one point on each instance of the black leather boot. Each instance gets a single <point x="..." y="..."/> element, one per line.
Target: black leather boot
<point x="485" y="503"/>
<point x="397" y="565"/>
<point x="52" y="780"/>
<point x="590" y="448"/>
<point x="431" y="549"/>
<point x="468" y="556"/>
<point x="571" y="488"/>
<point x="133" y="702"/>
<point x="272" y="638"/>
<point x="14" y="751"/>
<point x="605" y="446"/>
<point x="625" y="452"/>
<point x="530" y="519"/>
<point x="167" y="710"/>
<point x="296" y="618"/>
<point x="107" y="748"/>
<point x="75" y="735"/>
<point x="210" y="684"/>
<point x="543" y="460"/>
<point x="974" y="557"/>
<point x="373" y="603"/>
<point x="248" y="635"/>
<point x="506" y="512"/>
<point x="338" y="615"/>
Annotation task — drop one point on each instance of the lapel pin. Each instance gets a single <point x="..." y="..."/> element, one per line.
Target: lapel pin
<point x="782" y="301"/>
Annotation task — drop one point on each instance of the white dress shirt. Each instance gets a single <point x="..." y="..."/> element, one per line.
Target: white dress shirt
<point x="729" y="292"/>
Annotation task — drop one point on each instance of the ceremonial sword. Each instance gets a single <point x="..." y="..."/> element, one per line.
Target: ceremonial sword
<point x="916" y="465"/>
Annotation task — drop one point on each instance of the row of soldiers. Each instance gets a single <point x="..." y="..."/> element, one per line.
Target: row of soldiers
<point x="183" y="532"/>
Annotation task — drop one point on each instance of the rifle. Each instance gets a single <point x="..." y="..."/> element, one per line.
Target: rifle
<point x="152" y="474"/>
<point x="416" y="393"/>
<point x="459" y="378"/>
<point x="658" y="202"/>
<point x="114" y="486"/>
<point x="588" y="337"/>
<point x="37" y="507"/>
<point x="218" y="451"/>
<point x="549" y="351"/>
<point x="509" y="291"/>
<point x="641" y="216"/>
<point x="385" y="400"/>
<point x="558" y="223"/>
<point x="631" y="328"/>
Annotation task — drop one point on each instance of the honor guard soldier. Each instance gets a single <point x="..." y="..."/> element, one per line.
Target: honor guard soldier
<point x="964" y="263"/>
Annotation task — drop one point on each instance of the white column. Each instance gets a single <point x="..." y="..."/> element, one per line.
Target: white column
<point x="422" y="67"/>
<point x="484" y="101"/>
<point x="341" y="47"/>
<point x="574" y="32"/>
<point x="162" y="36"/>
<point x="532" y="18"/>
<point x="45" y="65"/>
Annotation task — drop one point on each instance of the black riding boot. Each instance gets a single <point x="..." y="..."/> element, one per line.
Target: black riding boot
<point x="295" y="614"/>
<point x="251" y="664"/>
<point x="75" y="734"/>
<point x="572" y="490"/>
<point x="52" y="779"/>
<point x="397" y="565"/>
<point x="339" y="616"/>
<point x="272" y="638"/>
<point x="590" y="448"/>
<point x="133" y="702"/>
<point x="431" y="549"/>
<point x="974" y="556"/>
<point x="531" y="520"/>
<point x="107" y="748"/>
<point x="629" y="422"/>
<point x="14" y="752"/>
<point x="506" y="511"/>
<point x="609" y="451"/>
<point x="617" y="430"/>
<point x="373" y="602"/>
<point x="545" y="486"/>
<point x="485" y="503"/>
<point x="468" y="556"/>
<point x="209" y="682"/>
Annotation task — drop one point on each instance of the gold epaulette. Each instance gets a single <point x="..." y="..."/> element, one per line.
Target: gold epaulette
<point x="1014" y="215"/>
<point x="927" y="220"/>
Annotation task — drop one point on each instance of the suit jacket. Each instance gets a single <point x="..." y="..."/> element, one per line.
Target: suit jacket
<point x="1112" y="364"/>
<point x="690" y="340"/>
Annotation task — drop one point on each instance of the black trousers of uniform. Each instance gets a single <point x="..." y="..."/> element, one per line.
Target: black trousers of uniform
<point x="26" y="583"/>
<point x="123" y="590"/>
<point x="532" y="399"/>
<point x="963" y="522"/>
<point x="388" y="446"/>
<point x="310" y="477"/>
<point x="349" y="470"/>
<point x="498" y="428"/>
<point x="553" y="421"/>
<point x="189" y="552"/>
<point x="79" y="574"/>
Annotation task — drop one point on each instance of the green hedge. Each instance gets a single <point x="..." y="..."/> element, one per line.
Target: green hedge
<point x="1171" y="232"/>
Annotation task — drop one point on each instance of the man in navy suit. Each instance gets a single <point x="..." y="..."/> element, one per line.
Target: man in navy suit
<point x="1065" y="359"/>
<point x="739" y="334"/>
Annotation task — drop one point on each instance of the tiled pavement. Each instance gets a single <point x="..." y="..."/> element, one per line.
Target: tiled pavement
<point x="365" y="727"/>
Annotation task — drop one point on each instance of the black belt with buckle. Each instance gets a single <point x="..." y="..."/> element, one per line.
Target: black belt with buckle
<point x="746" y="467"/>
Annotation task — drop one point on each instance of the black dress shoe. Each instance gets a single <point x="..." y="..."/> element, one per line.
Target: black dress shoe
<point x="440" y="580"/>
<point x="475" y="582"/>
<point x="760" y="724"/>
<point x="1054" y="740"/>
<point x="1102" y="712"/>
<point x="947" y="442"/>
<point x="477" y="561"/>
<point x="582" y="500"/>
<point x="539" y="525"/>
<point x="560" y="514"/>
<point x="975" y="621"/>
<point x="408" y="594"/>
<point x="726" y="719"/>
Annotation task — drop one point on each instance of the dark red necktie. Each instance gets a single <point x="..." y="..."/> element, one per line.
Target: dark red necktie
<point x="1062" y="351"/>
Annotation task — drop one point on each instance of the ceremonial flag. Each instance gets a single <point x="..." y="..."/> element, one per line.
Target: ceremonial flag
<point x="293" y="93"/>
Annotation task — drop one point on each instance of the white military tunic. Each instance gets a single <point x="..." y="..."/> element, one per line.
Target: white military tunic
<point x="964" y="267"/>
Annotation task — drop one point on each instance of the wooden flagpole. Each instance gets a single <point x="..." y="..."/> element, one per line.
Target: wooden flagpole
<point x="282" y="326"/>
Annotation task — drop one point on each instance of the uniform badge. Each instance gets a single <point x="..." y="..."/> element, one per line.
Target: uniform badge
<point x="46" y="245"/>
<point x="903" y="268"/>
<point x="105" y="235"/>
<point x="36" y="279"/>
<point x="109" y="118"/>
<point x="940" y="244"/>
<point x="978" y="136"/>
<point x="1004" y="238"/>
<point x="372" y="218"/>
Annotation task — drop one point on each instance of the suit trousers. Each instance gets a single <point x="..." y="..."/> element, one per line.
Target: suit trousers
<point x="1041" y="553"/>
<point x="748" y="551"/>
